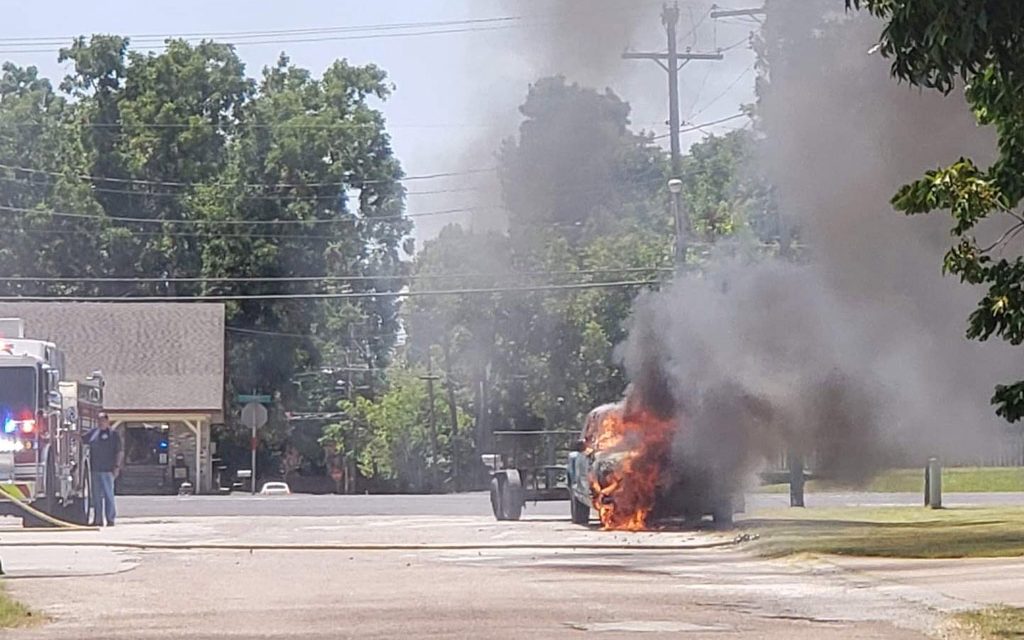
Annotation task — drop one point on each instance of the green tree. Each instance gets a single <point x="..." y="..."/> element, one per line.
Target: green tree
<point x="940" y="45"/>
<point x="391" y="436"/>
<point x="724" y="195"/>
<point x="34" y="134"/>
<point x="305" y="145"/>
<point x="577" y="170"/>
<point x="155" y="120"/>
<point x="179" y="169"/>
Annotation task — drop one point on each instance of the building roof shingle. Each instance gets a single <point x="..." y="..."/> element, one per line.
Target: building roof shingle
<point x="154" y="356"/>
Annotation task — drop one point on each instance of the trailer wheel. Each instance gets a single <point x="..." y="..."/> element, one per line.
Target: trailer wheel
<point x="723" y="514"/>
<point x="579" y="512"/>
<point x="496" y="485"/>
<point x="512" y="496"/>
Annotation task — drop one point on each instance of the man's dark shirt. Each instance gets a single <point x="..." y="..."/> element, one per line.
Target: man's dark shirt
<point x="104" y="449"/>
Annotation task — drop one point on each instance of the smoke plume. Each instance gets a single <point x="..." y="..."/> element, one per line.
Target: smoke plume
<point x="857" y="356"/>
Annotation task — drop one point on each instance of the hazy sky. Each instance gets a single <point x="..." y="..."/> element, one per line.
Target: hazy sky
<point x="457" y="93"/>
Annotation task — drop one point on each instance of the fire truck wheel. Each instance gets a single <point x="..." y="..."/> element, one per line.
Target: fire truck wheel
<point x="499" y="514"/>
<point x="82" y="506"/>
<point x="51" y="503"/>
<point x="77" y="509"/>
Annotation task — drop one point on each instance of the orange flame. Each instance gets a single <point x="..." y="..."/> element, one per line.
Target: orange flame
<point x="629" y="453"/>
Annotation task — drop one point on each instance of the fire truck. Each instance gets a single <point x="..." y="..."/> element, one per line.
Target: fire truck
<point x="43" y="460"/>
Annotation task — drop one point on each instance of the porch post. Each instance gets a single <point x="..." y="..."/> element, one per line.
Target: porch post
<point x="196" y="429"/>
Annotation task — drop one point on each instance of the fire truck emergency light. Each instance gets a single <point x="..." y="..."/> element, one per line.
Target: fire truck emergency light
<point x="26" y="426"/>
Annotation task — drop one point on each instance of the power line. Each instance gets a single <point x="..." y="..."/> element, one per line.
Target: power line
<point x="232" y="125"/>
<point x="698" y="127"/>
<point x="336" y="296"/>
<point x="301" y="40"/>
<point x="226" y="196"/>
<point x="310" y="336"/>
<point x="298" y="36"/>
<point x="398" y="29"/>
<point x="727" y="90"/>
<point x="736" y="44"/>
<point x="272" y="333"/>
<point x="328" y="278"/>
<point x="60" y="40"/>
<point x="238" y="222"/>
<point x="353" y="182"/>
<point x="201" y="125"/>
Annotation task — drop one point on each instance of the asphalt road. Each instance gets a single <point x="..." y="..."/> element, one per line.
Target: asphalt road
<point x="363" y="572"/>
<point x="471" y="504"/>
<point x="497" y="589"/>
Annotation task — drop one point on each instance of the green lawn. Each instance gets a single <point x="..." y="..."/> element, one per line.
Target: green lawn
<point x="954" y="480"/>
<point x="1000" y="623"/>
<point x="12" y="614"/>
<point x="898" y="532"/>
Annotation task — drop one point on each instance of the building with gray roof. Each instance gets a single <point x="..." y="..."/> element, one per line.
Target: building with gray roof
<point x="163" y="364"/>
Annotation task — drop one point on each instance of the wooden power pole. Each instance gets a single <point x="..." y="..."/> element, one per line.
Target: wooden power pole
<point x="672" y="62"/>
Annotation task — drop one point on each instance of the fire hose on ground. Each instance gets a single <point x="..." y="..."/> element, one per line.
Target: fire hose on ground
<point x="381" y="547"/>
<point x="43" y="516"/>
<point x="63" y="525"/>
<point x="443" y="546"/>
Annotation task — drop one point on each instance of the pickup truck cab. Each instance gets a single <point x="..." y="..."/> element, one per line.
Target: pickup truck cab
<point x="691" y="493"/>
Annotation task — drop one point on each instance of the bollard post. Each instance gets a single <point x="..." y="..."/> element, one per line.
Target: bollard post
<point x="934" y="483"/>
<point x="796" y="480"/>
<point x="927" y="485"/>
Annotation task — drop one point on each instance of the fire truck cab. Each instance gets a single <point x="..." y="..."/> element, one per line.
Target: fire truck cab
<point x="43" y="460"/>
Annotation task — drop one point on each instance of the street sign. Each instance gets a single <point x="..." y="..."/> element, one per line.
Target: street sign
<point x="254" y="415"/>
<point x="248" y="398"/>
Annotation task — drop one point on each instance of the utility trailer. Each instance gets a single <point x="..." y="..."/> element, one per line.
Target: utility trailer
<point x="43" y="460"/>
<point x="530" y="466"/>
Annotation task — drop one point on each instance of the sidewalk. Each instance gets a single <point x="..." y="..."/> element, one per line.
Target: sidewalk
<point x="981" y="581"/>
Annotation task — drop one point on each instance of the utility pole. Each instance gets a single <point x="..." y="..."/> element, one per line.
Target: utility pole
<point x="453" y="414"/>
<point x="672" y="62"/>
<point x="430" y="378"/>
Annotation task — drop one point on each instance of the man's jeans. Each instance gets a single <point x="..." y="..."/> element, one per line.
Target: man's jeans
<point x="103" y="497"/>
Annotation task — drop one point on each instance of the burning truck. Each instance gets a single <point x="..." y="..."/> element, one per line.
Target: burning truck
<point x="628" y="468"/>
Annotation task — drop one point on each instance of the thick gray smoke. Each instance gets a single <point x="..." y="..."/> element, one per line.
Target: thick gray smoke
<point x="859" y="355"/>
<point x="583" y="39"/>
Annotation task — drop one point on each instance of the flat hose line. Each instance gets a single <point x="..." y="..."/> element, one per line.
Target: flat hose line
<point x="442" y="546"/>
<point x="45" y="517"/>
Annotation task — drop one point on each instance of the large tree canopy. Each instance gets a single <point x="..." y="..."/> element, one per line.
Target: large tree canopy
<point x="180" y="175"/>
<point x="977" y="44"/>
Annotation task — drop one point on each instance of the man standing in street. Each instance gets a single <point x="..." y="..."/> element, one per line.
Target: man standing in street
<point x="105" y="455"/>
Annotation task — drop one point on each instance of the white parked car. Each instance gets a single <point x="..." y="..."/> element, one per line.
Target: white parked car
<point x="275" y="489"/>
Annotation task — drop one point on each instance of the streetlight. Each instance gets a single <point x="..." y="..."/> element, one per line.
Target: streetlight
<point x="675" y="187"/>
